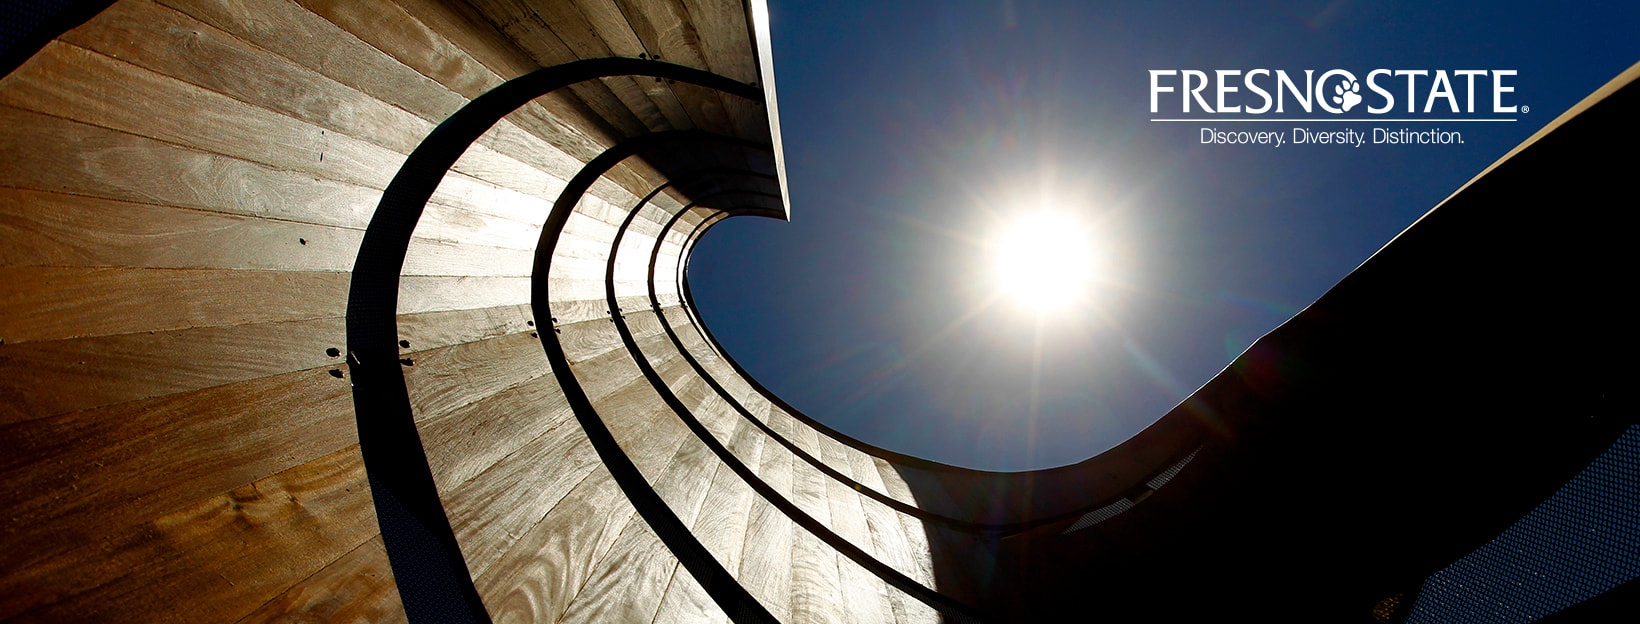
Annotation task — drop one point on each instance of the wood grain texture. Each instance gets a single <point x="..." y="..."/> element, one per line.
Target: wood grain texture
<point x="464" y="442"/>
<point x="581" y="40"/>
<point x="306" y="100"/>
<point x="816" y="585"/>
<point x="153" y="36"/>
<point x="219" y="558"/>
<point x="766" y="562"/>
<point x="54" y="229"/>
<point x="53" y="303"/>
<point x="868" y="524"/>
<point x="47" y="153"/>
<point x="538" y="575"/>
<point x="687" y="602"/>
<point x="50" y="303"/>
<point x="41" y="379"/>
<point x="628" y="583"/>
<point x="555" y="133"/>
<point x="72" y="479"/>
<point x="664" y="29"/>
<point x="179" y="240"/>
<point x="724" y="38"/>
<point x="492" y="510"/>
<point x="357" y="588"/>
<point x="124" y="97"/>
<point x="611" y="28"/>
<point x="531" y="34"/>
<point x="288" y="30"/>
<point x="451" y="377"/>
<point x="725" y="513"/>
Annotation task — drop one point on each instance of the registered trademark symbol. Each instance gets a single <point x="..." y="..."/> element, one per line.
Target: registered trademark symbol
<point x="1525" y="109"/>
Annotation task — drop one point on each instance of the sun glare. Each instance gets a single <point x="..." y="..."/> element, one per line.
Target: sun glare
<point x="1044" y="261"/>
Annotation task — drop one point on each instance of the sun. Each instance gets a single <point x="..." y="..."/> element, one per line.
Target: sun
<point x="1044" y="261"/>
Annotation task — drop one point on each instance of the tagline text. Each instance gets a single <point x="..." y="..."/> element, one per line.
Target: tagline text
<point x="1347" y="137"/>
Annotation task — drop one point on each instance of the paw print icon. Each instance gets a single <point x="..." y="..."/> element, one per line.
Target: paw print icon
<point x="1347" y="94"/>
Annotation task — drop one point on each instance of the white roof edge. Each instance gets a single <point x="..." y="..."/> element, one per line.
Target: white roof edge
<point x="759" y="10"/>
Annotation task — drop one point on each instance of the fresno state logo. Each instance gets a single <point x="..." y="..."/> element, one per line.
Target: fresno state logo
<point x="1336" y="91"/>
<point x="1347" y="98"/>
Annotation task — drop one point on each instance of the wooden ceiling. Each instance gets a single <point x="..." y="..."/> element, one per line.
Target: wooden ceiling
<point x="514" y="37"/>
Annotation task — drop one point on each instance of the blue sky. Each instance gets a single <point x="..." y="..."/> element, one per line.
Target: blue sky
<point x="913" y="129"/>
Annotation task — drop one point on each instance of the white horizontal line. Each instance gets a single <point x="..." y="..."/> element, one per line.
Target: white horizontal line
<point x="1327" y="120"/>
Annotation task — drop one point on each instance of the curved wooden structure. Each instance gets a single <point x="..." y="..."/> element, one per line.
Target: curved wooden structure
<point x="374" y="310"/>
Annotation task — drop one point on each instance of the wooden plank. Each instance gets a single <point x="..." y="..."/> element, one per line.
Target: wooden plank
<point x="538" y="575"/>
<point x="448" y="378"/>
<point x="724" y="517"/>
<point x="726" y="46"/>
<point x="141" y="32"/>
<point x="816" y="589"/>
<point x="466" y="441"/>
<point x="647" y="430"/>
<point x="290" y="31"/>
<point x="591" y="339"/>
<point x="144" y="103"/>
<point x="628" y="583"/>
<point x="900" y="538"/>
<point x="687" y="602"/>
<point x="584" y="41"/>
<point x="419" y="294"/>
<point x="604" y="373"/>
<point x="492" y="510"/>
<point x="150" y="35"/>
<point x="530" y="33"/>
<point x="105" y="370"/>
<point x="71" y="479"/>
<point x="846" y="512"/>
<point x="866" y="598"/>
<point x="466" y="27"/>
<point x="919" y="538"/>
<point x="665" y="31"/>
<point x="766" y="561"/>
<point x="219" y="558"/>
<point x="630" y="579"/>
<point x="848" y="517"/>
<point x="300" y="146"/>
<point x="606" y="20"/>
<point x="47" y="303"/>
<point x="719" y="419"/>
<point x="359" y="587"/>
<point x="556" y="141"/>
<point x="52" y="229"/>
<point x="437" y="329"/>
<point x="864" y="469"/>
<point x="117" y="95"/>
<point x="40" y="379"/>
<point x="489" y="503"/>
<point x="52" y="303"/>
<point x="46" y="153"/>
<point x="687" y="477"/>
<point x="390" y="29"/>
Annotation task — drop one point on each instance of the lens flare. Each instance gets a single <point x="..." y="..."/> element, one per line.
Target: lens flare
<point x="1045" y="261"/>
